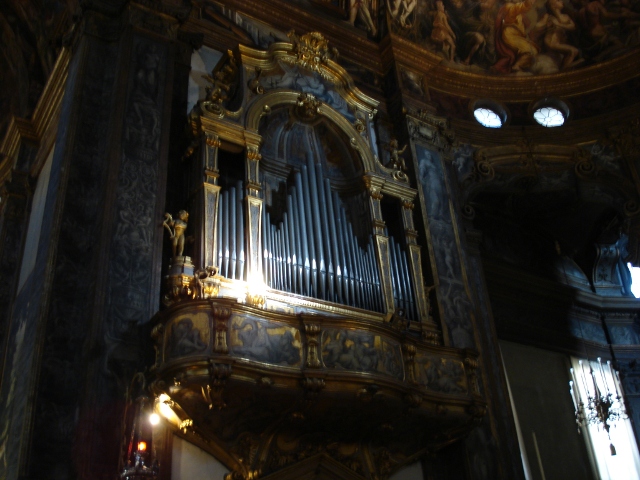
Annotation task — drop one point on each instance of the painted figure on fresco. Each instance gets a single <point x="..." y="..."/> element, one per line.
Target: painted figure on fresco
<point x="516" y="50"/>
<point x="591" y="15"/>
<point x="176" y="230"/>
<point x="185" y="338"/>
<point x="272" y="345"/>
<point x="401" y="10"/>
<point x="520" y="37"/>
<point x="555" y="37"/>
<point x="443" y="376"/>
<point x="360" y="9"/>
<point x="442" y="33"/>
<point x="478" y="27"/>
<point x="351" y="351"/>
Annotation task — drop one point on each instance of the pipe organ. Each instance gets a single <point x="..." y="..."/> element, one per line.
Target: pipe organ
<point x="339" y="316"/>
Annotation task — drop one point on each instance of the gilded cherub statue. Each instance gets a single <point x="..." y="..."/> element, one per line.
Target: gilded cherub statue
<point x="176" y="230"/>
<point x="397" y="162"/>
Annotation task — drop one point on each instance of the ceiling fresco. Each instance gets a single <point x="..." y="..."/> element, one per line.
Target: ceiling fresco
<point x="519" y="37"/>
<point x="501" y="36"/>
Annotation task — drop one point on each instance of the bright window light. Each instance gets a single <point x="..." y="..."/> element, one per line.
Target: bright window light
<point x="548" y="117"/>
<point x="625" y="464"/>
<point x="635" y="280"/>
<point x="487" y="118"/>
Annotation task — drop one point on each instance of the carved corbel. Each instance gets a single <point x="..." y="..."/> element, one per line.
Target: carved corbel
<point x="220" y="327"/>
<point x="206" y="283"/>
<point x="374" y="187"/>
<point x="312" y="387"/>
<point x="313" y="340"/>
<point x="409" y="352"/>
<point x="212" y="392"/>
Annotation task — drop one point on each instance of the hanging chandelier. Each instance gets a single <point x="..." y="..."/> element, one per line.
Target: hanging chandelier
<point x="595" y="402"/>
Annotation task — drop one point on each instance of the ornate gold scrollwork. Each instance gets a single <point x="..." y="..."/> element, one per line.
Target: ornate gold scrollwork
<point x="186" y="425"/>
<point x="223" y="82"/>
<point x="254" y="83"/>
<point x="212" y="392"/>
<point x="250" y="475"/>
<point x="206" y="282"/>
<point x="359" y="125"/>
<point x="311" y="50"/>
<point x="255" y="299"/>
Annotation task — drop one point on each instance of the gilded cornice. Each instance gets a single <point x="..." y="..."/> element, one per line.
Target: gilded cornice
<point x="327" y="68"/>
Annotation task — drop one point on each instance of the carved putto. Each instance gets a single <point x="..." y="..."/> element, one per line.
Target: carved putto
<point x="397" y="162"/>
<point x="176" y="228"/>
<point x="308" y="106"/>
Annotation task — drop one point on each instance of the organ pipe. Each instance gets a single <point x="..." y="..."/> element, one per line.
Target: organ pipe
<point x="313" y="250"/>
<point x="232" y="254"/>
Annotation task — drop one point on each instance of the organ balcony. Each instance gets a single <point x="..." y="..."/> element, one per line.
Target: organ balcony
<point x="303" y="326"/>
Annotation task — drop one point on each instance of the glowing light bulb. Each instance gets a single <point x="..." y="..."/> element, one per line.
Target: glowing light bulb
<point x="154" y="419"/>
<point x="142" y="446"/>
